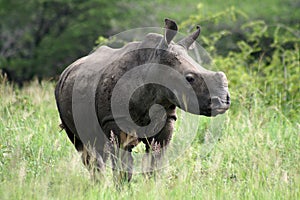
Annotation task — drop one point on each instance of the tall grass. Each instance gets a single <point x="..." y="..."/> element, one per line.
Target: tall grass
<point x="257" y="156"/>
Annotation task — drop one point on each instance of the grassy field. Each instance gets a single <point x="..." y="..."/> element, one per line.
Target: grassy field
<point x="257" y="156"/>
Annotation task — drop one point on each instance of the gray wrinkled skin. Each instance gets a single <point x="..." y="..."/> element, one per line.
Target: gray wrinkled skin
<point x="106" y="66"/>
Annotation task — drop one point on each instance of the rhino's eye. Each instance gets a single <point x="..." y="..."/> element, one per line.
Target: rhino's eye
<point x="190" y="78"/>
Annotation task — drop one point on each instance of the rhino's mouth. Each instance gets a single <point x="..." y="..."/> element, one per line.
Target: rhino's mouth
<point x="213" y="112"/>
<point x="217" y="106"/>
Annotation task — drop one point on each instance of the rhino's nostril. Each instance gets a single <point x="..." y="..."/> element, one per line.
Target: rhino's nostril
<point x="215" y="101"/>
<point x="228" y="99"/>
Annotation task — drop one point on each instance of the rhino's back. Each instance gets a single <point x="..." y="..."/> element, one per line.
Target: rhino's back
<point x="95" y="69"/>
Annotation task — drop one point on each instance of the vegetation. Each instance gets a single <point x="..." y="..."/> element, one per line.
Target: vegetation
<point x="257" y="155"/>
<point x="40" y="38"/>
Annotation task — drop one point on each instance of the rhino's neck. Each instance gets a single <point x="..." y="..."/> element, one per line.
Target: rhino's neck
<point x="147" y="96"/>
<point x="143" y="97"/>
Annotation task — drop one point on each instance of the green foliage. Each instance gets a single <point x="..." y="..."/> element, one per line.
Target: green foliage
<point x="272" y="70"/>
<point x="40" y="38"/>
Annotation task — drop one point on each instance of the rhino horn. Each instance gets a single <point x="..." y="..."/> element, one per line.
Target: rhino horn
<point x="171" y="30"/>
<point x="189" y="40"/>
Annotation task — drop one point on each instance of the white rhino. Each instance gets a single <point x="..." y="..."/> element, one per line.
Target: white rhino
<point x="85" y="94"/>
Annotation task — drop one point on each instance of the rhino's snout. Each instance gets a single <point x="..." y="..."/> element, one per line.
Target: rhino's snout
<point x="217" y="102"/>
<point x="219" y="105"/>
<point x="220" y="102"/>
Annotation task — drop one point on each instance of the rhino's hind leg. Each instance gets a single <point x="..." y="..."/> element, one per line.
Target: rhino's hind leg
<point x="93" y="161"/>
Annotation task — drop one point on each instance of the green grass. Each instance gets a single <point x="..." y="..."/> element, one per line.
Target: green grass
<point x="257" y="156"/>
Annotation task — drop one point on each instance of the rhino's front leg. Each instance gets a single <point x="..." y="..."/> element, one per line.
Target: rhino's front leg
<point x="122" y="162"/>
<point x="156" y="147"/>
<point x="152" y="160"/>
<point x="122" y="159"/>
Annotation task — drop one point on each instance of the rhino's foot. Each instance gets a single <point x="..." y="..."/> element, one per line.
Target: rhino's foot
<point x="94" y="163"/>
<point x="122" y="169"/>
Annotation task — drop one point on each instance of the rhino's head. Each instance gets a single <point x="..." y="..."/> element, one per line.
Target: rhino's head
<point x="210" y="89"/>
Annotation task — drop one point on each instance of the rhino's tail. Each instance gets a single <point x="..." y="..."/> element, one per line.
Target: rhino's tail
<point x="62" y="127"/>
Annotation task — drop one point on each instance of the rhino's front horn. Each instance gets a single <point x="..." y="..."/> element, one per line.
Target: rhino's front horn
<point x="188" y="41"/>
<point x="171" y="30"/>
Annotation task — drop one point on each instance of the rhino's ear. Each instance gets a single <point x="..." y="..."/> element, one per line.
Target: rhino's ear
<point x="189" y="40"/>
<point x="170" y="30"/>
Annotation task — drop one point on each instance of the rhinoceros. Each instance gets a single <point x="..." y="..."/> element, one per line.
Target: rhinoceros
<point x="115" y="98"/>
